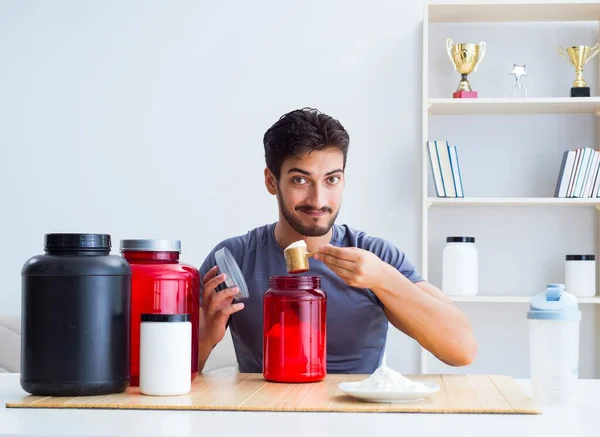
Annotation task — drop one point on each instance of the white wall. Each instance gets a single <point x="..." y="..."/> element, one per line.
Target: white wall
<point x="145" y="119"/>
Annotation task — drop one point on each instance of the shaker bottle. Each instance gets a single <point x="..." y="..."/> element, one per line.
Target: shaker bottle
<point x="554" y="320"/>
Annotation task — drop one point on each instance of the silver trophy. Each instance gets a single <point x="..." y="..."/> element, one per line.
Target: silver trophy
<point x="518" y="90"/>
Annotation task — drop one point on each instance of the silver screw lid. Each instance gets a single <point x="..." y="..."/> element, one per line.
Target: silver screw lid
<point x="151" y="245"/>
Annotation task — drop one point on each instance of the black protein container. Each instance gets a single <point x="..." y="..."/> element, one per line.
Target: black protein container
<point x="75" y="324"/>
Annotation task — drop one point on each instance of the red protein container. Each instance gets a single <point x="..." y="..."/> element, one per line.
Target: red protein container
<point x="160" y="284"/>
<point x="294" y="323"/>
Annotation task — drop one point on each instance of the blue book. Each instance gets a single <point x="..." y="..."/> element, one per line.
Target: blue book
<point x="435" y="169"/>
<point x="443" y="151"/>
<point x="457" y="176"/>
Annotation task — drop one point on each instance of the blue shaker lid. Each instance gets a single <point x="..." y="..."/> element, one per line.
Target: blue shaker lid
<point x="554" y="304"/>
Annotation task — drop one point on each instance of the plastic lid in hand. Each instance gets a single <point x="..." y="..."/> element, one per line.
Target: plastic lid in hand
<point x="233" y="274"/>
<point x="554" y="304"/>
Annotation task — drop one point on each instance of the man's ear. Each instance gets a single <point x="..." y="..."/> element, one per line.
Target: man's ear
<point x="270" y="182"/>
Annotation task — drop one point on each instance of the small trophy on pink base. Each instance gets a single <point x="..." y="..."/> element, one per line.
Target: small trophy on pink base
<point x="465" y="57"/>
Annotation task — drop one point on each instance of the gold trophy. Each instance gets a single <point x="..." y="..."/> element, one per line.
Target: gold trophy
<point x="578" y="56"/>
<point x="465" y="57"/>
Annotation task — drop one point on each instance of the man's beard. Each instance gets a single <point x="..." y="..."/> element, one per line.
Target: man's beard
<point x="298" y="226"/>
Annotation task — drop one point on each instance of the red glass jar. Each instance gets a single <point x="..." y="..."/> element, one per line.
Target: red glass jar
<point x="294" y="324"/>
<point x="160" y="284"/>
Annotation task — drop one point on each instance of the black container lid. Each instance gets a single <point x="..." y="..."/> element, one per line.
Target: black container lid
<point x="580" y="257"/>
<point x="165" y="317"/>
<point x="460" y="239"/>
<point x="97" y="242"/>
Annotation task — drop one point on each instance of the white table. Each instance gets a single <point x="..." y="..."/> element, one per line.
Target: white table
<point x="582" y="419"/>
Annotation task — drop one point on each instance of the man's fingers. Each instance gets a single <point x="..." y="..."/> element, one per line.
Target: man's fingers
<point x="221" y="296"/>
<point x="214" y="282"/>
<point x="231" y="309"/>
<point x="342" y="273"/>
<point x="225" y="302"/>
<point x="340" y="252"/>
<point x="209" y="287"/>
<point x="210" y="274"/>
<point x="337" y="262"/>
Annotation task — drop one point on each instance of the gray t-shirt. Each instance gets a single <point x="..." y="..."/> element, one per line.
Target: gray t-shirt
<point x="356" y="324"/>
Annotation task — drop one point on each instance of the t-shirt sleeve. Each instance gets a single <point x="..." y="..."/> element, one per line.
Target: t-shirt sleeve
<point x="405" y="266"/>
<point x="392" y="255"/>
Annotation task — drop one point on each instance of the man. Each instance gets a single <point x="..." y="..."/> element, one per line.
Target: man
<point x="368" y="281"/>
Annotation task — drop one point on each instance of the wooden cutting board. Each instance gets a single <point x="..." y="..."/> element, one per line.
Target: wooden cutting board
<point x="226" y="389"/>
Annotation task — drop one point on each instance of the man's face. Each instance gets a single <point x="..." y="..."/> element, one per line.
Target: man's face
<point x="310" y="191"/>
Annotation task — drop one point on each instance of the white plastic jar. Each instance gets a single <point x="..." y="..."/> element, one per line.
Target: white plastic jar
<point x="580" y="275"/>
<point x="460" y="267"/>
<point x="165" y="354"/>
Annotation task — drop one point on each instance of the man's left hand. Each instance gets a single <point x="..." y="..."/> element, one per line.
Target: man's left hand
<point x="357" y="267"/>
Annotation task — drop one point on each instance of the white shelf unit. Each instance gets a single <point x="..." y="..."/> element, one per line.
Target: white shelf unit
<point x="512" y="201"/>
<point x="456" y="11"/>
<point x="512" y="299"/>
<point x="543" y="105"/>
<point x="498" y="11"/>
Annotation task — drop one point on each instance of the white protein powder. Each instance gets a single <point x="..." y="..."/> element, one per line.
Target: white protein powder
<point x="386" y="379"/>
<point x="296" y="244"/>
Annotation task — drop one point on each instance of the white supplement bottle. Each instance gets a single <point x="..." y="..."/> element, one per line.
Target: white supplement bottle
<point x="165" y="354"/>
<point x="460" y="267"/>
<point x="580" y="275"/>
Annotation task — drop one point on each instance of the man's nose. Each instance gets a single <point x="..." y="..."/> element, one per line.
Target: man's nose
<point x="316" y="198"/>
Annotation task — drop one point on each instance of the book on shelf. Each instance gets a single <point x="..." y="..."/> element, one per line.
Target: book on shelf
<point x="578" y="175"/>
<point x="447" y="177"/>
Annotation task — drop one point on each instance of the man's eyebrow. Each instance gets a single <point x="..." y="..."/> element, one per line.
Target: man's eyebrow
<point x="299" y="170"/>
<point x="307" y="173"/>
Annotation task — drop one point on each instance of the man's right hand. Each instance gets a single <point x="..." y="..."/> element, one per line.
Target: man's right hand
<point x="215" y="310"/>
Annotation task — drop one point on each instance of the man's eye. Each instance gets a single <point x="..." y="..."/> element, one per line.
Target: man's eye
<point x="299" y="180"/>
<point x="334" y="179"/>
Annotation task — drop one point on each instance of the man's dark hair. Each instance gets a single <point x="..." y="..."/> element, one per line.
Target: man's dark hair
<point x="299" y="131"/>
